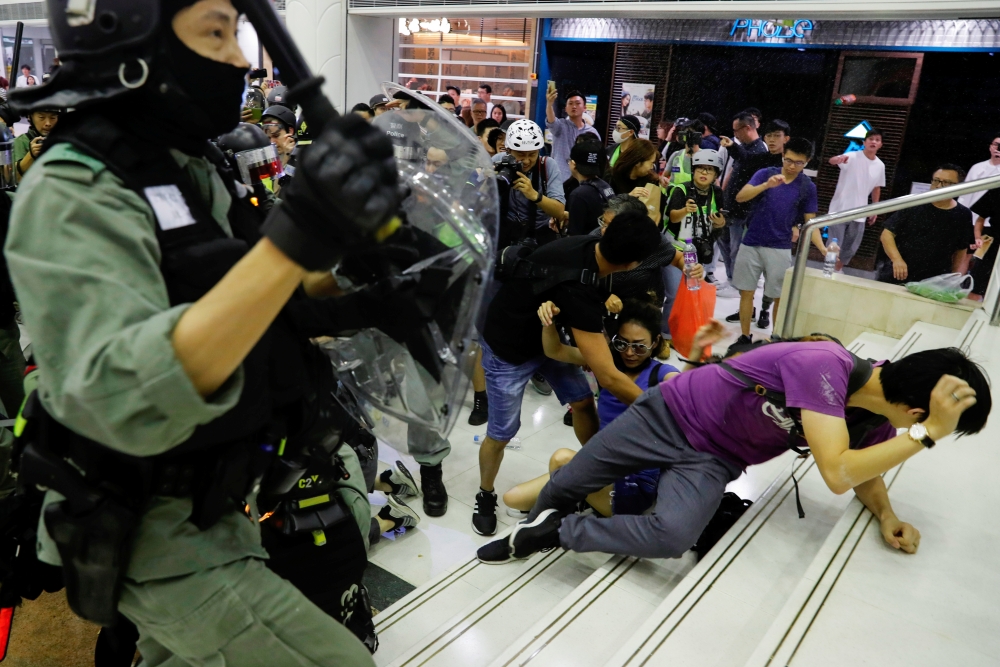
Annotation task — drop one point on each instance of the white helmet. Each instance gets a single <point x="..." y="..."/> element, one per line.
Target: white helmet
<point x="708" y="157"/>
<point x="524" y="135"/>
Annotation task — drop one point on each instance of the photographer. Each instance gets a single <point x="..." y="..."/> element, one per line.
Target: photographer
<point x="533" y="187"/>
<point x="678" y="169"/>
<point x="694" y="208"/>
<point x="28" y="146"/>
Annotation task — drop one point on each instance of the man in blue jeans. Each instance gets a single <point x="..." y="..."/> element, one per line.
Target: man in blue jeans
<point x="512" y="340"/>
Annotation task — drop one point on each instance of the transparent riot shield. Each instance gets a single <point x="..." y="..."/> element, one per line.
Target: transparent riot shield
<point x="416" y="366"/>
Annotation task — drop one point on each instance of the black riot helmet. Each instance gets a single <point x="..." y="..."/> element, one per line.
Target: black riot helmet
<point x="250" y="153"/>
<point x="106" y="47"/>
<point x="282" y="113"/>
<point x="127" y="50"/>
<point x="278" y="95"/>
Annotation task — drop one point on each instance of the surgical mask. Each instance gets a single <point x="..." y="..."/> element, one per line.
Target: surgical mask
<point x="618" y="136"/>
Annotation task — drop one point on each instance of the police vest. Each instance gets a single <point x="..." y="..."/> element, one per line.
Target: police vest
<point x="280" y="373"/>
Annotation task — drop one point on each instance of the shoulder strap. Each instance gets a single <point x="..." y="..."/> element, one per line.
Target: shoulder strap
<point x="654" y="375"/>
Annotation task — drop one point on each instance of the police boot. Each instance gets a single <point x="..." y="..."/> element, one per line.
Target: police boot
<point x="435" y="495"/>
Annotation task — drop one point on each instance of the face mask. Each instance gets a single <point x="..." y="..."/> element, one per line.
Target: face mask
<point x="618" y="136"/>
<point x="214" y="89"/>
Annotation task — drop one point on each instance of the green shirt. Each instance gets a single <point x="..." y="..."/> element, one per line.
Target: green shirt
<point x="84" y="260"/>
<point x="22" y="144"/>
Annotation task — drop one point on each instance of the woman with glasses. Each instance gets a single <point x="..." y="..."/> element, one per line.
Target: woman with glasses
<point x="634" y="348"/>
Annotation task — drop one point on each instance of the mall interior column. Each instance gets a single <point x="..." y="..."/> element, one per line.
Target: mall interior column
<point x="318" y="27"/>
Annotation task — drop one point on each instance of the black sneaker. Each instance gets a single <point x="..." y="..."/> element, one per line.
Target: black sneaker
<point x="401" y="514"/>
<point x="764" y="321"/>
<point x="539" y="535"/>
<point x="484" y="518"/>
<point x="480" y="409"/>
<point x="744" y="340"/>
<point x="568" y="417"/>
<point x="400" y="481"/>
<point x="496" y="552"/>
<point x="735" y="317"/>
<point x="710" y="279"/>
<point x="539" y="384"/>
<point x="435" y="495"/>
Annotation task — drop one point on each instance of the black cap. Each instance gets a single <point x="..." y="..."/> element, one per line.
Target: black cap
<point x="587" y="157"/>
<point x="709" y="120"/>
<point x="378" y="100"/>
<point x="632" y="122"/>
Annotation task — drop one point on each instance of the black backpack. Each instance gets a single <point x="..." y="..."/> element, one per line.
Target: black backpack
<point x="514" y="264"/>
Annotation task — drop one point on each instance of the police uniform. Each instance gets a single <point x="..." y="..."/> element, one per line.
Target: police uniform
<point x="85" y="260"/>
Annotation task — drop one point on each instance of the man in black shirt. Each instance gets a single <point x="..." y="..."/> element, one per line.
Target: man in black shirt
<point x="987" y="208"/>
<point x="512" y="341"/>
<point x="750" y="143"/>
<point x="587" y="201"/>
<point x="928" y="240"/>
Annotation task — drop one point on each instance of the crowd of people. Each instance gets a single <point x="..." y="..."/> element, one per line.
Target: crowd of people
<point x="195" y="474"/>
<point x="612" y="224"/>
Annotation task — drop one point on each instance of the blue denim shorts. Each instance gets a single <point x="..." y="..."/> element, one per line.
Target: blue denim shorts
<point x="505" y="383"/>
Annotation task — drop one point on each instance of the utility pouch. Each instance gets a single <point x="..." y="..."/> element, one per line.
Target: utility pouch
<point x="91" y="529"/>
<point x="314" y="518"/>
<point x="95" y="547"/>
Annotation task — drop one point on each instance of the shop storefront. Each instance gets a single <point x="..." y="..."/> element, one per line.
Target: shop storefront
<point x="928" y="85"/>
<point x="465" y="53"/>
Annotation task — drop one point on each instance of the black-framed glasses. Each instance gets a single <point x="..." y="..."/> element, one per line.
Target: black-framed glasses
<point x="621" y="345"/>
<point x="793" y="163"/>
<point x="601" y="222"/>
<point x="941" y="183"/>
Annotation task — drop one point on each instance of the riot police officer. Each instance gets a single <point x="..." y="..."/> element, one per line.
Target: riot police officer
<point x="152" y="322"/>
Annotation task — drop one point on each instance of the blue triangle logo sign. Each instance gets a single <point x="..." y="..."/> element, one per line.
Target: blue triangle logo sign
<point x="859" y="131"/>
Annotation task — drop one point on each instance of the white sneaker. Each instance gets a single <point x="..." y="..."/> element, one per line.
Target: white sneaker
<point x="727" y="291"/>
<point x="517" y="514"/>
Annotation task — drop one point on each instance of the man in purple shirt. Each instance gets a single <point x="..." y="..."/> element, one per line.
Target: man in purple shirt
<point x="703" y="427"/>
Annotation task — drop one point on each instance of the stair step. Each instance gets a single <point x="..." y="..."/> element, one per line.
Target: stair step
<point x="743" y="583"/>
<point x="484" y="627"/>
<point x="620" y="595"/>
<point x="873" y="346"/>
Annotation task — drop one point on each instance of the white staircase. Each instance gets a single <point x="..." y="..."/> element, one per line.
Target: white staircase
<point x="776" y="590"/>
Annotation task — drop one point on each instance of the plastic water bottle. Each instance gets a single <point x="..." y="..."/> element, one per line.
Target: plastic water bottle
<point x="690" y="259"/>
<point x="514" y="445"/>
<point x="830" y="263"/>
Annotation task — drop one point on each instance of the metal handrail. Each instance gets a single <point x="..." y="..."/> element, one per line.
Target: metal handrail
<point x="887" y="206"/>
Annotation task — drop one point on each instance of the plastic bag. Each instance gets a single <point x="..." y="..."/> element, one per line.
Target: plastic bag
<point x="692" y="309"/>
<point x="947" y="287"/>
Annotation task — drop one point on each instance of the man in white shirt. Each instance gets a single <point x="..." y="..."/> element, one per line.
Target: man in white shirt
<point x="22" y="80"/>
<point x="862" y="175"/>
<point x="980" y="170"/>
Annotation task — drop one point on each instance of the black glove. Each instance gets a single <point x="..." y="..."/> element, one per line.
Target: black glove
<point x="343" y="198"/>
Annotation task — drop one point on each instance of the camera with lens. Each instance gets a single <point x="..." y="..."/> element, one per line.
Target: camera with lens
<point x="507" y="169"/>
<point x="689" y="135"/>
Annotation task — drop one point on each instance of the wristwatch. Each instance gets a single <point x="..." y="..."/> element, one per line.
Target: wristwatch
<point x="540" y="198"/>
<point x="918" y="433"/>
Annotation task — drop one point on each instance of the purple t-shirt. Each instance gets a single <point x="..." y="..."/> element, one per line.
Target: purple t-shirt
<point x="770" y="222"/>
<point x="721" y="416"/>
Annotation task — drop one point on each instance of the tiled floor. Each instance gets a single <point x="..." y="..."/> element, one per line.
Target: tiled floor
<point x="440" y="543"/>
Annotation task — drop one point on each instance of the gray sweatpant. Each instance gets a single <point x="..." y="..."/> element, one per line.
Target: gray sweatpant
<point x="645" y="436"/>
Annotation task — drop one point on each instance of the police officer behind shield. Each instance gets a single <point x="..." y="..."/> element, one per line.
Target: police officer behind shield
<point x="151" y="322"/>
